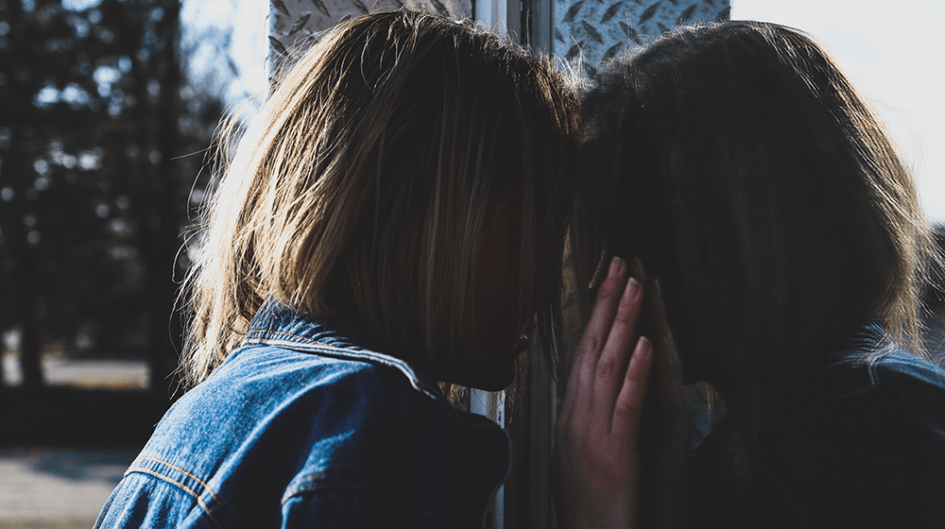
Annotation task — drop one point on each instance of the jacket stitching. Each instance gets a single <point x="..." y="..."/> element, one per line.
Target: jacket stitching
<point x="378" y="358"/>
<point x="351" y="354"/>
<point x="200" y="502"/>
<point x="313" y="477"/>
<point x="184" y="472"/>
<point x="348" y="354"/>
<point x="312" y="343"/>
<point x="290" y="335"/>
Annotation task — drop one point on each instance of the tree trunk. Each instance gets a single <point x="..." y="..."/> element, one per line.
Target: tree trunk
<point x="164" y="211"/>
<point x="22" y="290"/>
<point x="24" y="293"/>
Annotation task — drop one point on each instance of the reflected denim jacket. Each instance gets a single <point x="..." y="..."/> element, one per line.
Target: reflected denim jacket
<point x="304" y="425"/>
<point x="849" y="442"/>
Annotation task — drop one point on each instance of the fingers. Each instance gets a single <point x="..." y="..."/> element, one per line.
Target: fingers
<point x="605" y="308"/>
<point x="628" y="408"/>
<point x="616" y="355"/>
<point x="597" y="458"/>
<point x="584" y="363"/>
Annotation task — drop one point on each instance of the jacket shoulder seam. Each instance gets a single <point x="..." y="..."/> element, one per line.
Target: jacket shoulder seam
<point x="186" y="473"/>
<point x="206" y="508"/>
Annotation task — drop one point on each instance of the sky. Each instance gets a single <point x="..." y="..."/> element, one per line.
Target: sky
<point x="892" y="52"/>
<point x="245" y="24"/>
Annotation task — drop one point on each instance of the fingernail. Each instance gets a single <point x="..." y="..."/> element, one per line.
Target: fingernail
<point x="632" y="289"/>
<point x="616" y="266"/>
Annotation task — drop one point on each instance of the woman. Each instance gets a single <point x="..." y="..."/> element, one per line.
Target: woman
<point x="754" y="182"/>
<point x="394" y="218"/>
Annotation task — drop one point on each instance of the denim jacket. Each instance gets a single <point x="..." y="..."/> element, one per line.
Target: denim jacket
<point x="305" y="426"/>
<point x="850" y="442"/>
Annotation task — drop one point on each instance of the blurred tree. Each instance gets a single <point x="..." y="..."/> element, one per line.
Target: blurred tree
<point x="96" y="120"/>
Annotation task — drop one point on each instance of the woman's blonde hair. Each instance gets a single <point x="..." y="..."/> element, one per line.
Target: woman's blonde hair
<point x="362" y="190"/>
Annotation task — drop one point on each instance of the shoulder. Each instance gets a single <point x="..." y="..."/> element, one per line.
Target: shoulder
<point x="889" y="399"/>
<point x="293" y="398"/>
<point x="270" y="393"/>
<point x="306" y="421"/>
<point x="900" y="367"/>
<point x="283" y="421"/>
<point x="856" y="440"/>
<point x="863" y="445"/>
<point x="890" y="385"/>
<point x="313" y="430"/>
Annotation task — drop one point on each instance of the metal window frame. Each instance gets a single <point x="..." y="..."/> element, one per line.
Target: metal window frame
<point x="527" y="22"/>
<point x="525" y="498"/>
<point x="500" y="15"/>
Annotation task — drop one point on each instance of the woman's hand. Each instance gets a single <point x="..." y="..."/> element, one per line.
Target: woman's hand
<point x="597" y="464"/>
<point x="598" y="461"/>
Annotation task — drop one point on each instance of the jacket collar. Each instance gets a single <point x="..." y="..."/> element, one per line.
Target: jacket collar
<point x="277" y="322"/>
<point x="278" y="325"/>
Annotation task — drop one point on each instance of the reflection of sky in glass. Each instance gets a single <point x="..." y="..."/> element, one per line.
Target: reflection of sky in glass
<point x="239" y="26"/>
<point x="891" y="51"/>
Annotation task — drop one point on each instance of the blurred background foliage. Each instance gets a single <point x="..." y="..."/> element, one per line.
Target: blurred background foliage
<point x="102" y="137"/>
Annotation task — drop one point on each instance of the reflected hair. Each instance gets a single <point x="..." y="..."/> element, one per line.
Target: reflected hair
<point x="361" y="190"/>
<point x="739" y="162"/>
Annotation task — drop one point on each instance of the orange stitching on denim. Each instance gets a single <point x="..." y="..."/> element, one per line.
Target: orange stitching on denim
<point x="313" y="477"/>
<point x="267" y="333"/>
<point x="196" y="496"/>
<point x="188" y="474"/>
<point x="309" y="342"/>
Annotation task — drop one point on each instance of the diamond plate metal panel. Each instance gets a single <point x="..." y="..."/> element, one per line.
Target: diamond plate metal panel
<point x="598" y="30"/>
<point x="294" y="23"/>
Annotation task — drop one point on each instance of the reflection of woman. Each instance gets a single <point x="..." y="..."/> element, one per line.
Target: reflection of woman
<point x="395" y="219"/>
<point x="752" y="180"/>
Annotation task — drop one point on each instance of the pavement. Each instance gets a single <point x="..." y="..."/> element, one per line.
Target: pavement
<point x="57" y="487"/>
<point x="64" y="487"/>
<point x="85" y="373"/>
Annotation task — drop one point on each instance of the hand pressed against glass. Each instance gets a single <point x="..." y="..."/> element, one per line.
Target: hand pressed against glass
<point x="597" y="461"/>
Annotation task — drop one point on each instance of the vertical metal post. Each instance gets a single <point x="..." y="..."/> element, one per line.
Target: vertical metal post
<point x="491" y="405"/>
<point x="538" y="24"/>
<point x="541" y="417"/>
<point x="503" y="16"/>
